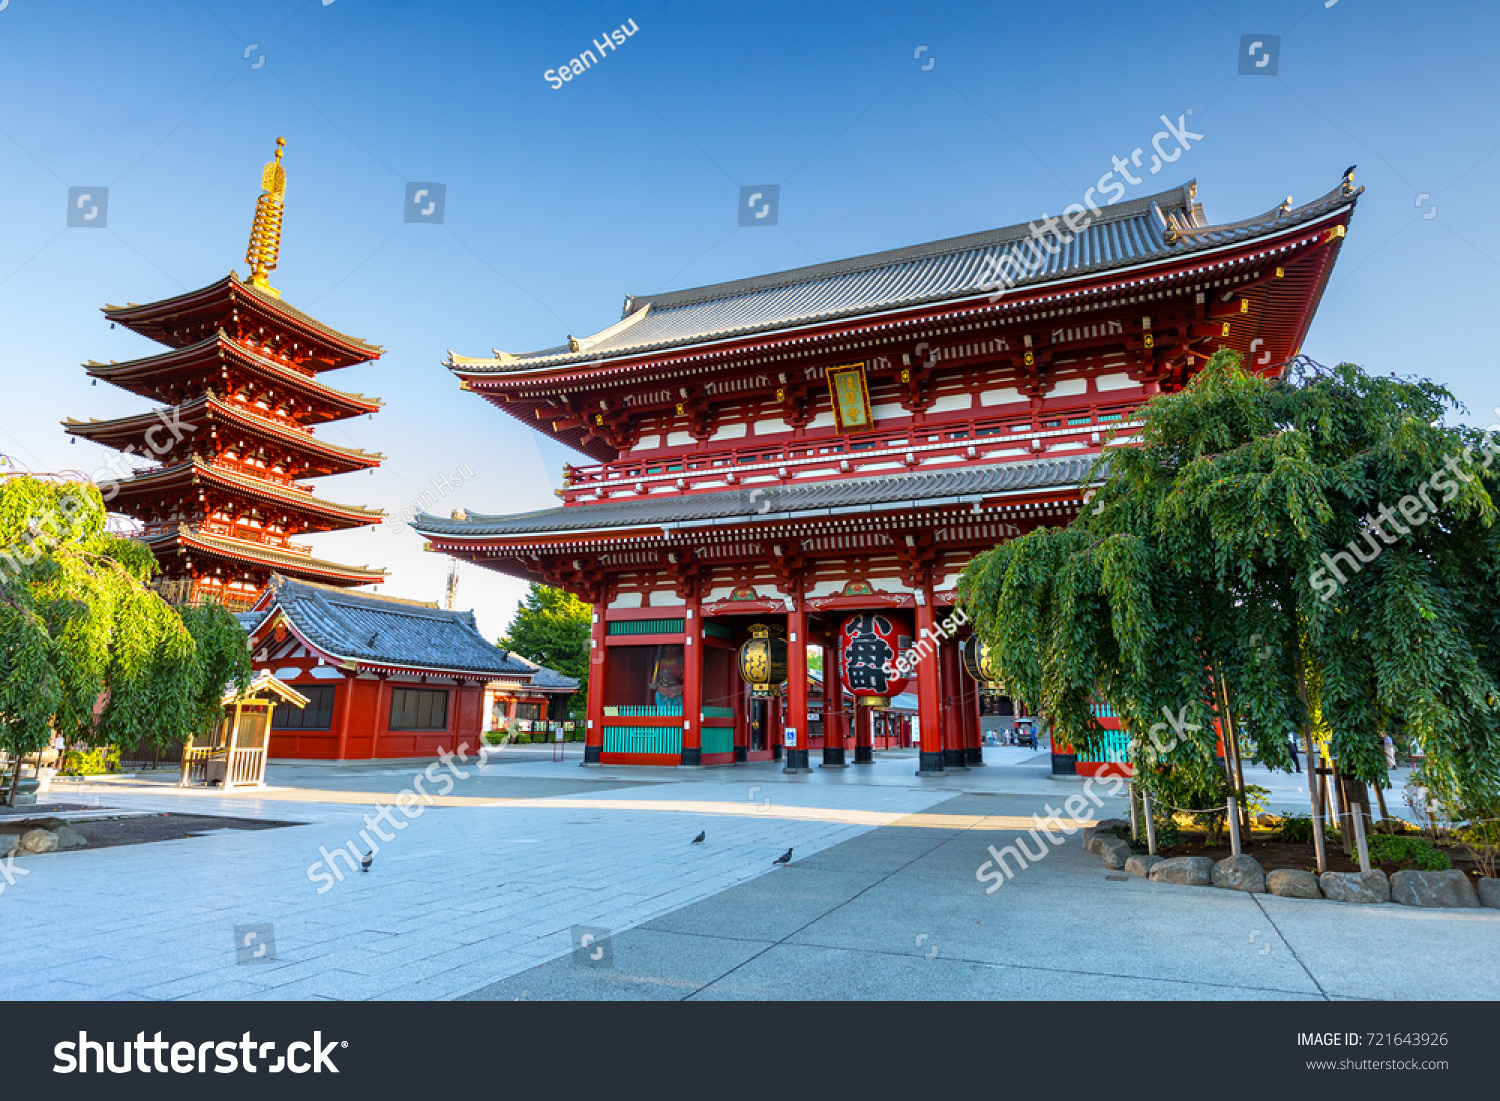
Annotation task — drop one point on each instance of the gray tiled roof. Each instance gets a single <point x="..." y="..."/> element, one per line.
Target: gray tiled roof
<point x="544" y="677"/>
<point x="1153" y="227"/>
<point x="389" y="630"/>
<point x="769" y="503"/>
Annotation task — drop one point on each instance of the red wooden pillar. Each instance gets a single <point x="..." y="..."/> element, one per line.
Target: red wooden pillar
<point x="741" y="720"/>
<point x="833" y="707"/>
<point x="952" y="709"/>
<point x="973" y="749"/>
<point x="593" y="734"/>
<point x="929" y="693"/>
<point x="796" y="687"/>
<point x="692" y="686"/>
<point x="864" y="749"/>
<point x="382" y="718"/>
<point x="345" y="704"/>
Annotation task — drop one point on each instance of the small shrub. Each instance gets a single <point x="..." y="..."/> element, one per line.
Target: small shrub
<point x="1295" y="829"/>
<point x="1407" y="852"/>
<point x="94" y="762"/>
<point x="494" y="737"/>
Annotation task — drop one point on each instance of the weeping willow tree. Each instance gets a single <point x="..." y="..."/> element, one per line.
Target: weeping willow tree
<point x="1316" y="553"/>
<point x="78" y="625"/>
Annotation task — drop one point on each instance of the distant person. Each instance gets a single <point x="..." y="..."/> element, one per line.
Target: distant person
<point x="1390" y="752"/>
<point x="1292" y="744"/>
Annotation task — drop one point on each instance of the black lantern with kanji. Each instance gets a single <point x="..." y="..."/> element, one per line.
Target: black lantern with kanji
<point x="762" y="661"/>
<point x="870" y="645"/>
<point x="979" y="664"/>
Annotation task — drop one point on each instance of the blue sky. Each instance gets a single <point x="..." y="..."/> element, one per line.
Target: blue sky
<point x="560" y="201"/>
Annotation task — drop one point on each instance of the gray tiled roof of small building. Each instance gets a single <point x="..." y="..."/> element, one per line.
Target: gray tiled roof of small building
<point x="390" y="630"/>
<point x="918" y="489"/>
<point x="1152" y="227"/>
<point x="545" y="677"/>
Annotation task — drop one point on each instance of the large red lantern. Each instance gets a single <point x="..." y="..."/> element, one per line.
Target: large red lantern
<point x="870" y="644"/>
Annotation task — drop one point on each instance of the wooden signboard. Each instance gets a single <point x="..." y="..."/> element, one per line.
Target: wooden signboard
<point x="850" y="395"/>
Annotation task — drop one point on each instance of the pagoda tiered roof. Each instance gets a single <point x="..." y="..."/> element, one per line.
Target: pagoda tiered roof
<point x="245" y="309"/>
<point x="153" y="491"/>
<point x="224" y="419"/>
<point x="185" y="373"/>
<point x="185" y="541"/>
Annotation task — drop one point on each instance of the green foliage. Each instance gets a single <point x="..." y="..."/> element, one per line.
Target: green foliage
<point x="1407" y="852"/>
<point x="94" y="762"/>
<point x="551" y="628"/>
<point x="1200" y="563"/>
<point x="1295" y="829"/>
<point x="1477" y="825"/>
<point x="79" y="627"/>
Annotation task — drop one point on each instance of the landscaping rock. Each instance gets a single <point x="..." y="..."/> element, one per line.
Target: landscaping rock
<point x="38" y="841"/>
<point x="1489" y="890"/>
<point x="9" y="842"/>
<point x="1450" y="889"/>
<point x="1101" y="828"/>
<point x="1267" y="820"/>
<point x="1240" y="873"/>
<point x="1091" y="844"/>
<point x="1186" y="871"/>
<point x="1114" y="851"/>
<point x="1291" y="883"/>
<point x="1141" y="865"/>
<point x="69" y="838"/>
<point x="1356" y="886"/>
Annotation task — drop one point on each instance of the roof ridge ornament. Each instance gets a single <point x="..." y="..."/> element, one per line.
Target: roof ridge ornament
<point x="265" y="231"/>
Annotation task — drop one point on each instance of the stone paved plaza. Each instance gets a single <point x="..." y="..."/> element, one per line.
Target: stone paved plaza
<point x="476" y="898"/>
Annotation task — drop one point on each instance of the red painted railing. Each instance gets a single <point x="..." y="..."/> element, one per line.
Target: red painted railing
<point x="826" y="457"/>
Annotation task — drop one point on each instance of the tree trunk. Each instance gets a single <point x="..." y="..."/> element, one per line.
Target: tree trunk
<point x="1314" y="781"/>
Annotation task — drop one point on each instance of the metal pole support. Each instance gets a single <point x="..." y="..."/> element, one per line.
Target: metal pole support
<point x="1234" y="826"/>
<point x="1150" y="823"/>
<point x="1135" y="829"/>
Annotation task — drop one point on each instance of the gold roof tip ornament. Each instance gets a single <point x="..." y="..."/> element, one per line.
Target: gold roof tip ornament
<point x="265" y="231"/>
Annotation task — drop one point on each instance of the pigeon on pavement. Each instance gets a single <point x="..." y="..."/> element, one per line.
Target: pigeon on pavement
<point x="784" y="858"/>
<point x="364" y="865"/>
<point x="702" y="837"/>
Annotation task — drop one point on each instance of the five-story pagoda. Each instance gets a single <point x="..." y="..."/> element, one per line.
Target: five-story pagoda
<point x="242" y="382"/>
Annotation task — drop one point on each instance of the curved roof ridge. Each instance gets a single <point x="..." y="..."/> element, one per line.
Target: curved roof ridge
<point x="1177" y="198"/>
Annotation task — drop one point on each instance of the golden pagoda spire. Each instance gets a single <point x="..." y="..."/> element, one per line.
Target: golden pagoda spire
<point x="265" y="231"/>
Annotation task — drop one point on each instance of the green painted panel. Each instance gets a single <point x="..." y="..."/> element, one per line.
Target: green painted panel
<point x="636" y="711"/>
<point x="642" y="739"/>
<point x="1116" y="748"/>
<point x="718" y="739"/>
<point x="718" y="712"/>
<point x="718" y="630"/>
<point x="646" y="627"/>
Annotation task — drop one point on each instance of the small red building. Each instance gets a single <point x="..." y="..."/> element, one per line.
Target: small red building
<point x="384" y="677"/>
